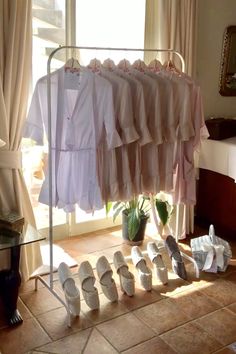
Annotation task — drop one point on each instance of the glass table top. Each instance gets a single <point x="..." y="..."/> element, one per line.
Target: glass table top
<point x="11" y="239"/>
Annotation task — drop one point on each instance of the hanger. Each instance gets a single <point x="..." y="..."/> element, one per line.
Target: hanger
<point x="95" y="65"/>
<point x="170" y="66"/>
<point x="155" y="65"/>
<point x="109" y="64"/>
<point x="124" y="65"/>
<point x="139" y="65"/>
<point x="72" y="65"/>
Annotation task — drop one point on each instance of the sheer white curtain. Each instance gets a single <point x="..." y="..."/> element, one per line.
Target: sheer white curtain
<point x="15" y="72"/>
<point x="171" y="24"/>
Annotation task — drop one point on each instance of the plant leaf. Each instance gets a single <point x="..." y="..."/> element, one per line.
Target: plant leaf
<point x="116" y="205"/>
<point x="162" y="211"/>
<point x="145" y="197"/>
<point x="108" y="207"/>
<point x="117" y="212"/>
<point x="133" y="224"/>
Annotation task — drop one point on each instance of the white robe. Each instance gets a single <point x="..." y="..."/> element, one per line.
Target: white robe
<point x="82" y="115"/>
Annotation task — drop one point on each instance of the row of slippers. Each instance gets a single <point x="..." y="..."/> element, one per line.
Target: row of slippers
<point x="108" y="285"/>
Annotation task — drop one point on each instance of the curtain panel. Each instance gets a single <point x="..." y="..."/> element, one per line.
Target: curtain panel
<point x="15" y="76"/>
<point x="172" y="24"/>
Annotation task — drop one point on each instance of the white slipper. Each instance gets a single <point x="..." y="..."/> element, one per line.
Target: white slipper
<point x="144" y="272"/>
<point x="71" y="292"/>
<point x="126" y="277"/>
<point x="87" y="281"/>
<point x="108" y="284"/>
<point x="156" y="258"/>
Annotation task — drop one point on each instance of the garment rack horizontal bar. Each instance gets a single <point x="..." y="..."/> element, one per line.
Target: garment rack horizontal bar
<point x="118" y="49"/>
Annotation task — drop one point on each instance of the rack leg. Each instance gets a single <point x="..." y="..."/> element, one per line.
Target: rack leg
<point x="36" y="283"/>
<point x="50" y="288"/>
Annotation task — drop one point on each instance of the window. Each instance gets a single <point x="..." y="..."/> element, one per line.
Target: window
<point x="106" y="23"/>
<point x="48" y="33"/>
<point x="110" y="23"/>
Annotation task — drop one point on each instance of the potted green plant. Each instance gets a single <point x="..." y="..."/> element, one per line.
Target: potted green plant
<point x="135" y="214"/>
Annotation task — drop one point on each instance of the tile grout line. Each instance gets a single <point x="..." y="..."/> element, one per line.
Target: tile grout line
<point x="87" y="340"/>
<point x="215" y="300"/>
<point x="182" y="325"/>
<point x="107" y="338"/>
<point x="94" y="325"/>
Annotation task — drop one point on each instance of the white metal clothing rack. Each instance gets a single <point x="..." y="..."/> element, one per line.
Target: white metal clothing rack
<point x="73" y="48"/>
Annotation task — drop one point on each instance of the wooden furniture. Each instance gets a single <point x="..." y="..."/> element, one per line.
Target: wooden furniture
<point x="10" y="279"/>
<point x="216" y="202"/>
<point x="216" y="187"/>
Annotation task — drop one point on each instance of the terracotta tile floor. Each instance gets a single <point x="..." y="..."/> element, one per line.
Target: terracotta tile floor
<point x="185" y="317"/>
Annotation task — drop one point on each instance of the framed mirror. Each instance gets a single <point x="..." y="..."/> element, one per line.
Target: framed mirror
<point x="228" y="63"/>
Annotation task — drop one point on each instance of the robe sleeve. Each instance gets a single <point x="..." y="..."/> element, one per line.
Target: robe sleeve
<point x="34" y="128"/>
<point x="112" y="136"/>
<point x="141" y="118"/>
<point x="186" y="125"/>
<point x="126" y="117"/>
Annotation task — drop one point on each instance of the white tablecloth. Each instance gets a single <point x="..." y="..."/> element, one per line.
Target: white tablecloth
<point x="219" y="156"/>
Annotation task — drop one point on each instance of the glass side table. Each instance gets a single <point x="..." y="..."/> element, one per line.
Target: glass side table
<point x="10" y="279"/>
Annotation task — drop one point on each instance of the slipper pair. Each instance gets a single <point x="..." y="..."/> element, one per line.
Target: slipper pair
<point x="106" y="280"/>
<point x="87" y="281"/>
<point x="158" y="263"/>
<point x="178" y="266"/>
<point x="71" y="291"/>
<point x="126" y="277"/>
<point x="145" y="274"/>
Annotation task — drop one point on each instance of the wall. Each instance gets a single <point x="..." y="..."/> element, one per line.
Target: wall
<point x="214" y="17"/>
